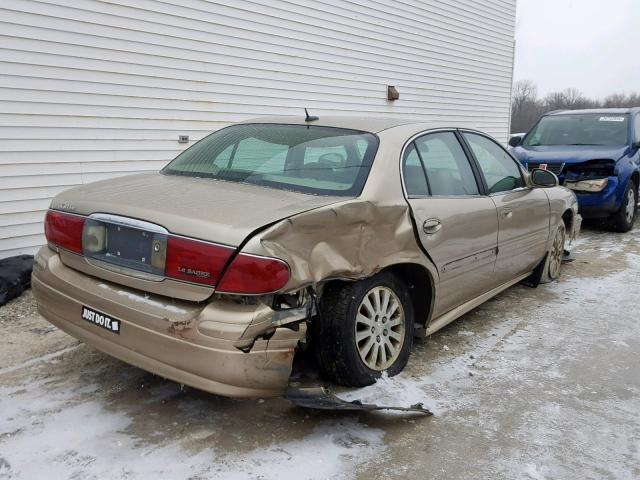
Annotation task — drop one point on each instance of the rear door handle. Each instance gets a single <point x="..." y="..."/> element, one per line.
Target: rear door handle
<point x="431" y="226"/>
<point x="507" y="213"/>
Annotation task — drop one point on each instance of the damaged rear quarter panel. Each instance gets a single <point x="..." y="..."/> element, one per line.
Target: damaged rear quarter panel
<point x="354" y="238"/>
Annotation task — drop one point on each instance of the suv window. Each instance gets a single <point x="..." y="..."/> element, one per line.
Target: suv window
<point x="637" y="128"/>
<point x="413" y="173"/>
<point x="580" y="129"/>
<point x="447" y="167"/>
<point x="500" y="170"/>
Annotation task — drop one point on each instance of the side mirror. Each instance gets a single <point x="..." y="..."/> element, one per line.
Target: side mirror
<point x="515" y="141"/>
<point x="544" y="178"/>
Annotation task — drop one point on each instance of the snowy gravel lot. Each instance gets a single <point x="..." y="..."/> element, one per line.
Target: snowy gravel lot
<point x="536" y="384"/>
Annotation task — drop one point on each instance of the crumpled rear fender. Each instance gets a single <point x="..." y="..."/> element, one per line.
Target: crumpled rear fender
<point x="349" y="240"/>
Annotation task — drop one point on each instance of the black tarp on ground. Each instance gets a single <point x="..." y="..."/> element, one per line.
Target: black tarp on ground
<point x="15" y="276"/>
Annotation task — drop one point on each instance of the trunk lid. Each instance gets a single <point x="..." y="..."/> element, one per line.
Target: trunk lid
<point x="215" y="211"/>
<point x="212" y="210"/>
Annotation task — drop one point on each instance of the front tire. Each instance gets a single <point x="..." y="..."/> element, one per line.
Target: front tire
<point x="622" y="221"/>
<point x="363" y="329"/>
<point x="553" y="261"/>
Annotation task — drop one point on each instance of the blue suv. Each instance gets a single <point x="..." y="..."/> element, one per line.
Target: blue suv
<point x="595" y="153"/>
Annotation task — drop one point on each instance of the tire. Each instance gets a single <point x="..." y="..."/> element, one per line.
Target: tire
<point x="622" y="221"/>
<point x="553" y="259"/>
<point x="345" y="317"/>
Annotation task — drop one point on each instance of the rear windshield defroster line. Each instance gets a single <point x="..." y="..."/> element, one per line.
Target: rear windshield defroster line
<point x="310" y="159"/>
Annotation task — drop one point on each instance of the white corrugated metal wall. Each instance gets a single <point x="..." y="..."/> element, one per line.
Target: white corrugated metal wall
<point x="91" y="89"/>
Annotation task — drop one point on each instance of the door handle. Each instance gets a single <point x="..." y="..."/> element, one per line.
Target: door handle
<point x="431" y="226"/>
<point x="507" y="213"/>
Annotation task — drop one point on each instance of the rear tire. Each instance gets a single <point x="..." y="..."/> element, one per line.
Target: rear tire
<point x="363" y="329"/>
<point x="622" y="221"/>
<point x="553" y="260"/>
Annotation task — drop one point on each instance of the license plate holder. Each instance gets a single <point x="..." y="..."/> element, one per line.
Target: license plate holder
<point x="102" y="320"/>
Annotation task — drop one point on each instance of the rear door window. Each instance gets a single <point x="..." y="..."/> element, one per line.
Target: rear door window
<point x="413" y="173"/>
<point x="447" y="167"/>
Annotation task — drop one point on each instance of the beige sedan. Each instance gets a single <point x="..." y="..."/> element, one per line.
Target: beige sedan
<point x="342" y="236"/>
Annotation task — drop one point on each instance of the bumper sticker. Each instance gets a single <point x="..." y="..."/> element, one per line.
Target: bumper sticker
<point x="101" y="320"/>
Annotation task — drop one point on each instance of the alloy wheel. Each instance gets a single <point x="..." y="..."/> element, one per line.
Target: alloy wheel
<point x="556" y="253"/>
<point x="631" y="205"/>
<point x="380" y="328"/>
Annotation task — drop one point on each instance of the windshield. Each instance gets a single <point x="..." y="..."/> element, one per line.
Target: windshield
<point x="304" y="158"/>
<point x="579" y="129"/>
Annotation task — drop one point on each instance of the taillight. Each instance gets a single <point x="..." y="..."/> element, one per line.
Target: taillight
<point x="252" y="275"/>
<point x="176" y="257"/>
<point x="195" y="261"/>
<point x="64" y="230"/>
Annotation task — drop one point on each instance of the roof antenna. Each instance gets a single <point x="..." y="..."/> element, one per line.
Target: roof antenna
<point x="309" y="118"/>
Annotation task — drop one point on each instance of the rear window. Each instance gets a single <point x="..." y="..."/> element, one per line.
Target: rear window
<point x="304" y="158"/>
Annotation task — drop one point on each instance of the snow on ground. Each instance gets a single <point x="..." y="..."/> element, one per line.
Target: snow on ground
<point x="536" y="384"/>
<point x="398" y="391"/>
<point x="49" y="434"/>
<point x="545" y="352"/>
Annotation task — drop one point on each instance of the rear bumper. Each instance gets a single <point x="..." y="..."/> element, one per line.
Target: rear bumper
<point x="190" y="343"/>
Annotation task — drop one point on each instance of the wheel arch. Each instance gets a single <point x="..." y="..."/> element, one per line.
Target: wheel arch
<point x="421" y="288"/>
<point x="568" y="217"/>
<point x="635" y="176"/>
<point x="419" y="282"/>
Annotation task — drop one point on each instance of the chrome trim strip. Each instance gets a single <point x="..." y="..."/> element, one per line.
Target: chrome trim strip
<point x="473" y="258"/>
<point x="452" y="197"/>
<point x="129" y="222"/>
<point x="148" y="226"/>
<point x="65" y="212"/>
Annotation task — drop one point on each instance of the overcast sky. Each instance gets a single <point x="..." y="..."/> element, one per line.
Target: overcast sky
<point x="591" y="45"/>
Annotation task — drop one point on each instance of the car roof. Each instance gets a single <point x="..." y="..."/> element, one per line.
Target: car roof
<point x="603" y="111"/>
<point x="362" y="123"/>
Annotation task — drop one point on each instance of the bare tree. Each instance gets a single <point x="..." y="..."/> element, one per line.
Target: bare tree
<point x="568" y="99"/>
<point x="554" y="101"/>
<point x="526" y="108"/>
<point x="524" y="92"/>
<point x="622" y="100"/>
<point x="575" y="99"/>
<point x="614" y="100"/>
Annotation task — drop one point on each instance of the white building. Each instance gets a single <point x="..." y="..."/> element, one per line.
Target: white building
<point x="92" y="89"/>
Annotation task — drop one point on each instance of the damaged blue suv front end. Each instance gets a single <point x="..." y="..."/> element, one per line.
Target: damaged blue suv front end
<point x="595" y="153"/>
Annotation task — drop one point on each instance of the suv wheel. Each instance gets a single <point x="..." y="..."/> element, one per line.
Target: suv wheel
<point x="363" y="329"/>
<point x="623" y="219"/>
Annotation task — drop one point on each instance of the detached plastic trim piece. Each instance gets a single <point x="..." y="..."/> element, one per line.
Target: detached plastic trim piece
<point x="320" y="398"/>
